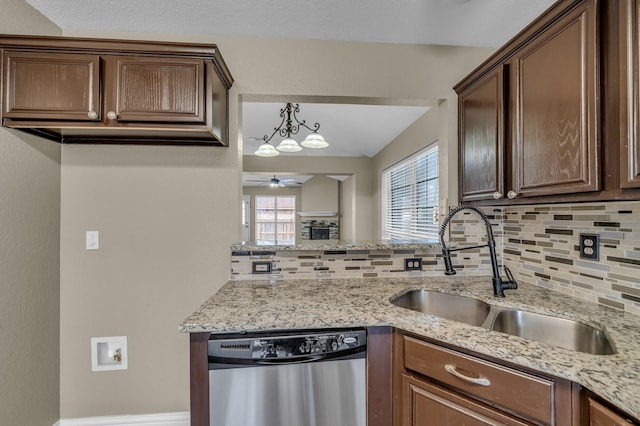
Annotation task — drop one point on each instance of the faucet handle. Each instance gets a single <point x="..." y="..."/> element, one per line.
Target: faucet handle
<point x="511" y="282"/>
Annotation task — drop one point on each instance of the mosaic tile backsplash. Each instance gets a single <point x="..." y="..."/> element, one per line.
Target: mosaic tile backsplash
<point x="538" y="243"/>
<point x="541" y="245"/>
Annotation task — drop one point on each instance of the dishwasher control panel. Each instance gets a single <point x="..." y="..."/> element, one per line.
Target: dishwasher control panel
<point x="265" y="346"/>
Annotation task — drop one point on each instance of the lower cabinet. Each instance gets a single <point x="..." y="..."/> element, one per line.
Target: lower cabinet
<point x="426" y="404"/>
<point x="441" y="387"/>
<point x="601" y="415"/>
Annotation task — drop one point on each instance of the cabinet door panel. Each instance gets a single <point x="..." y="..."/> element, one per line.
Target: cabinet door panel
<point x="555" y="99"/>
<point x="481" y="135"/>
<point x="630" y="94"/>
<point x="428" y="405"/>
<point x="159" y="90"/>
<point x="599" y="415"/>
<point x="51" y="86"/>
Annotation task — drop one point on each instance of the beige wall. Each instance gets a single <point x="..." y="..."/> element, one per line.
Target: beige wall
<point x="422" y="133"/>
<point x="29" y="259"/>
<point x="320" y="194"/>
<point x="168" y="215"/>
<point x="347" y="210"/>
<point x="252" y="191"/>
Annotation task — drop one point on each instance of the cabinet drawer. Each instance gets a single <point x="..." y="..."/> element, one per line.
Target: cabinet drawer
<point x="497" y="385"/>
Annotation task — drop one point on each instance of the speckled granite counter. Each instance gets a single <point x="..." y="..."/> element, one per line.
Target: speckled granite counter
<point x="313" y="245"/>
<point x="289" y="304"/>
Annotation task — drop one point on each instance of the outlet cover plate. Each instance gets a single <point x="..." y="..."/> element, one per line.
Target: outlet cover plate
<point x="261" y="267"/>
<point x="413" y="264"/>
<point x="590" y="246"/>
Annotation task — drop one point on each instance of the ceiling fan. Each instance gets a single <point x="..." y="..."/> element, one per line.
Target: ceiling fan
<point x="274" y="182"/>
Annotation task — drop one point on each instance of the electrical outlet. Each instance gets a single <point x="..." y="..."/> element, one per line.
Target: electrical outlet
<point x="590" y="246"/>
<point x="413" y="264"/>
<point x="261" y="267"/>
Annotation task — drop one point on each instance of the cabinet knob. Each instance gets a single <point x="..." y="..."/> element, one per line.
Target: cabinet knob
<point x="512" y="194"/>
<point x="112" y="115"/>
<point x="92" y="115"/>
<point x="497" y="195"/>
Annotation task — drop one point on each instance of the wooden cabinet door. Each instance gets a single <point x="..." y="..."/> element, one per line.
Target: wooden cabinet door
<point x="148" y="89"/>
<point x="555" y="105"/>
<point x="425" y="404"/>
<point x="481" y="138"/>
<point x="629" y="94"/>
<point x="599" y="415"/>
<point x="51" y="86"/>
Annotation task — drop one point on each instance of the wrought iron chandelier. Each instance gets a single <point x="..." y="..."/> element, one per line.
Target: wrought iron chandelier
<point x="288" y="144"/>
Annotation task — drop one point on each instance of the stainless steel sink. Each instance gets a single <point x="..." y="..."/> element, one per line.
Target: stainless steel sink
<point x="553" y="331"/>
<point x="448" y="306"/>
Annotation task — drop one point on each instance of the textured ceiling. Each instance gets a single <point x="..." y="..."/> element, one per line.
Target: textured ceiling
<point x="487" y="23"/>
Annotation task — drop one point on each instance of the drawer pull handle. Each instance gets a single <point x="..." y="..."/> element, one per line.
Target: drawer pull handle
<point x="482" y="381"/>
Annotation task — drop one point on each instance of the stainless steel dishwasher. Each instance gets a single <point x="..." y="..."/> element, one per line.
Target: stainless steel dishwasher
<point x="289" y="378"/>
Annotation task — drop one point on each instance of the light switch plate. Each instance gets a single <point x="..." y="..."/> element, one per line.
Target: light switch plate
<point x="92" y="240"/>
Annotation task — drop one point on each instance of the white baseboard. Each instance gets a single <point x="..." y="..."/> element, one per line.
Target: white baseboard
<point x="163" y="419"/>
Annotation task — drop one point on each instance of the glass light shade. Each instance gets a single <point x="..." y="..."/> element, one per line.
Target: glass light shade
<point x="289" y="145"/>
<point x="266" y="150"/>
<point x="314" y="140"/>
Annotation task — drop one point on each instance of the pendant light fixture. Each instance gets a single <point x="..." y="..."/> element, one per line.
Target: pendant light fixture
<point x="288" y="115"/>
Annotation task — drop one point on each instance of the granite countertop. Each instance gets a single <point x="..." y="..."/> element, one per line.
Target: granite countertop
<point x="334" y="245"/>
<point x="291" y="304"/>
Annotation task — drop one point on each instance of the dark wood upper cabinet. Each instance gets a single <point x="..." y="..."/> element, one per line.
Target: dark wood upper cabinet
<point x="629" y="21"/>
<point x="111" y="91"/>
<point x="157" y="89"/>
<point x="53" y="86"/>
<point x="555" y="106"/>
<point x="529" y="117"/>
<point x="481" y="135"/>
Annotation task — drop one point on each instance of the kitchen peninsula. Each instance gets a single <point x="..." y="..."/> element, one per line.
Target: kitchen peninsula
<point x="252" y="305"/>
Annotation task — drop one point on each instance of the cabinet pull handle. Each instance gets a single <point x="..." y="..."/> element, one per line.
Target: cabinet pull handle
<point x="512" y="194"/>
<point x="497" y="195"/>
<point x="112" y="115"/>
<point x="482" y="381"/>
<point x="92" y="115"/>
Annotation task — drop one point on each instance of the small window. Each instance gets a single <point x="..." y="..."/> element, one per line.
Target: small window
<point x="275" y="220"/>
<point x="410" y="194"/>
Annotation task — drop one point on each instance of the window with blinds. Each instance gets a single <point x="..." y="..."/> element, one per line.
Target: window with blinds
<point x="410" y="197"/>
<point x="275" y="220"/>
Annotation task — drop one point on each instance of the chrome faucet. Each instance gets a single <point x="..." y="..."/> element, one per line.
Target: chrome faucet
<point x="498" y="284"/>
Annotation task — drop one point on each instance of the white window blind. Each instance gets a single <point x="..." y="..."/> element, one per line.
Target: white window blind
<point x="410" y="197"/>
<point x="275" y="220"/>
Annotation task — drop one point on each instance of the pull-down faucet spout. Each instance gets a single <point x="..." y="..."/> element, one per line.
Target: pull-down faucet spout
<point x="498" y="284"/>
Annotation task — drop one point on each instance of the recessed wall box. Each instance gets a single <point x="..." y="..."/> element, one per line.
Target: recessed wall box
<point x="261" y="267"/>
<point x="109" y="353"/>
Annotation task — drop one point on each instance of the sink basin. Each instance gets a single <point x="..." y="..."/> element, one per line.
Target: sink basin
<point x="554" y="331"/>
<point x="448" y="306"/>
